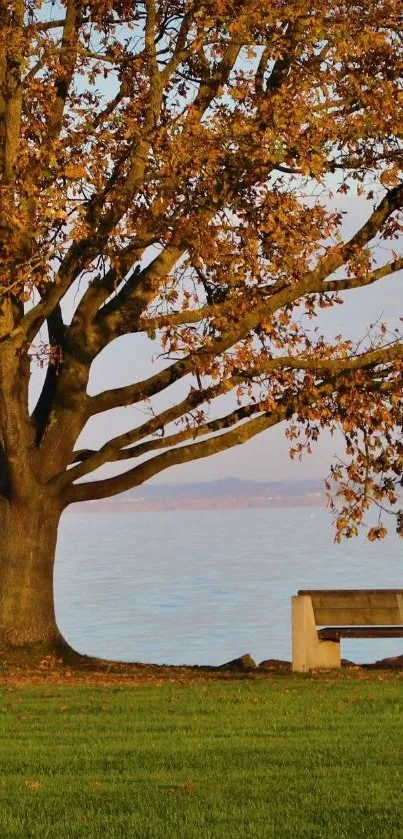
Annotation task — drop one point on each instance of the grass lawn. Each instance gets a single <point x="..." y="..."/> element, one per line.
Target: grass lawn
<point x="279" y="757"/>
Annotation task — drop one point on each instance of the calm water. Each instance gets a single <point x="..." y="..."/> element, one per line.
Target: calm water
<point x="202" y="587"/>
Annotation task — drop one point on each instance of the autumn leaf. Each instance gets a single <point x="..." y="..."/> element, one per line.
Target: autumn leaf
<point x="74" y="170"/>
<point x="376" y="533"/>
<point x="182" y="789"/>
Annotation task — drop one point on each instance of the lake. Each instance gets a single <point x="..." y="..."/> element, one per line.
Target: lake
<point x="202" y="587"/>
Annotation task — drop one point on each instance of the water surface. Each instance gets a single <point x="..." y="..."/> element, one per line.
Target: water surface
<point x="201" y="587"/>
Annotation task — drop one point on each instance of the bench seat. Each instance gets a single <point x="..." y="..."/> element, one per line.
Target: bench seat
<point x="334" y="633"/>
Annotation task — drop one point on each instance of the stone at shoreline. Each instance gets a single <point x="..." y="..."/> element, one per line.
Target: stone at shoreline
<point x="346" y="663"/>
<point x="244" y="662"/>
<point x="274" y="664"/>
<point x="395" y="663"/>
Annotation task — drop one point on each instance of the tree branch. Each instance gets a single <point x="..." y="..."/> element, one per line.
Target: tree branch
<point x="57" y="336"/>
<point x="11" y="105"/>
<point x="285" y="408"/>
<point x="314" y="281"/>
<point x="347" y="283"/>
<point x="202" y="101"/>
<point x="369" y="359"/>
<point x="139" y="474"/>
<point x="89" y="460"/>
<point x="45" y="25"/>
<point x="67" y="62"/>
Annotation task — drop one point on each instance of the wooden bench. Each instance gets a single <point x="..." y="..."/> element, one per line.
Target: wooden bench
<point x="343" y="613"/>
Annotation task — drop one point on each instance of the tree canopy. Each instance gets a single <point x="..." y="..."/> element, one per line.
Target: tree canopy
<point x="174" y="168"/>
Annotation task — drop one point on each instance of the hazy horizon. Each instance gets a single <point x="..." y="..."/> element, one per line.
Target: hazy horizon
<point x="160" y="481"/>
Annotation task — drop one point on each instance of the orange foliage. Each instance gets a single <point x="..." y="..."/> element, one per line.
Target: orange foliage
<point x="174" y="163"/>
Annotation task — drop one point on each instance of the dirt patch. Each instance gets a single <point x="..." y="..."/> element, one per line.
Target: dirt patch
<point x="83" y="670"/>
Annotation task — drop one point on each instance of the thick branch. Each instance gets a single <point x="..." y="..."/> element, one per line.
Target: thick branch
<point x="67" y="62"/>
<point x="57" y="334"/>
<point x="188" y="433"/>
<point x="12" y="72"/>
<point x="88" y="461"/>
<point x="32" y="321"/>
<point x="391" y="202"/>
<point x="123" y="311"/>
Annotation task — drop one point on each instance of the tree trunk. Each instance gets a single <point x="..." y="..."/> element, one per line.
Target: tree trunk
<point x="28" y="533"/>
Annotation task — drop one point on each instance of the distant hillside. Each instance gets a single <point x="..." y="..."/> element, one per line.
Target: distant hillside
<point x="227" y="487"/>
<point x="227" y="493"/>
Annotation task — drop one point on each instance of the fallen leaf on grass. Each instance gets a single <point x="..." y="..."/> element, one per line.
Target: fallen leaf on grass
<point x="181" y="788"/>
<point x="96" y="783"/>
<point x="33" y="784"/>
<point x="50" y="662"/>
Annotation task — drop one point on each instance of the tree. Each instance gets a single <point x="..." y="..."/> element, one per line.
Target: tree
<point x="168" y="168"/>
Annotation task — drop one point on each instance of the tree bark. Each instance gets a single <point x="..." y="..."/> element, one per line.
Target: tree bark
<point x="28" y="533"/>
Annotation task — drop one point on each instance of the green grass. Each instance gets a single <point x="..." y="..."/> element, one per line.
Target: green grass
<point x="282" y="757"/>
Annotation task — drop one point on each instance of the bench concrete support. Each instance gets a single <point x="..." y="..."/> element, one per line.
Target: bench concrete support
<point x="308" y="652"/>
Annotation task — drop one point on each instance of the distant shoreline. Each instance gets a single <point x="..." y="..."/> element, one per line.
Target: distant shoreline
<point x="164" y="503"/>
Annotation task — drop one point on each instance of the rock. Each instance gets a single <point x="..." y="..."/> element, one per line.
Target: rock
<point x="244" y="662"/>
<point x="275" y="664"/>
<point x="394" y="663"/>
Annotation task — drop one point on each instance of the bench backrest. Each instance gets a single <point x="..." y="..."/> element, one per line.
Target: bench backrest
<point x="357" y="607"/>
